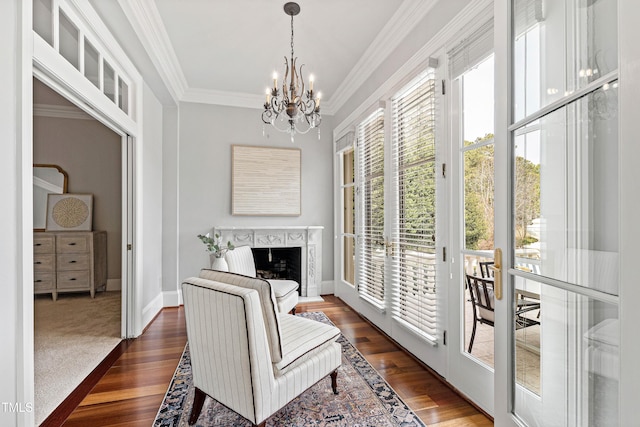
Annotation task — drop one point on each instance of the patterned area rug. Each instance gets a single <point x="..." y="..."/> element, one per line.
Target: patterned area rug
<point x="364" y="399"/>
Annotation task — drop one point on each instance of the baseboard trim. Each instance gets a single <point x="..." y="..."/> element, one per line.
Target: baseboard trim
<point x="114" y="284"/>
<point x="151" y="310"/>
<point x="171" y="299"/>
<point x="327" y="287"/>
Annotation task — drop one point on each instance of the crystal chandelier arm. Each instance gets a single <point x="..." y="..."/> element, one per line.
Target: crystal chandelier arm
<point x="285" y="92"/>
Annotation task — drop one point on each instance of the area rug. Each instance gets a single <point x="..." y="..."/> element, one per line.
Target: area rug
<point x="364" y="399"/>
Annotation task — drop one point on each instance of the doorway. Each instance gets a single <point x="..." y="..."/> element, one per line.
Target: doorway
<point x="74" y="326"/>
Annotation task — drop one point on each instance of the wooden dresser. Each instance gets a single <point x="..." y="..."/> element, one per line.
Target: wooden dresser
<point x="69" y="261"/>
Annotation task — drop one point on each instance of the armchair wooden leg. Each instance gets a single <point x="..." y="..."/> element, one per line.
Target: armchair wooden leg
<point x="293" y="311"/>
<point x="262" y="424"/>
<point x="198" y="402"/>
<point x="334" y="381"/>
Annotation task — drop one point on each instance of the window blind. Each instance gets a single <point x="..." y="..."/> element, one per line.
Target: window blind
<point x="471" y="51"/>
<point x="345" y="141"/>
<point x="414" y="181"/>
<point x="370" y="224"/>
<point x="526" y="13"/>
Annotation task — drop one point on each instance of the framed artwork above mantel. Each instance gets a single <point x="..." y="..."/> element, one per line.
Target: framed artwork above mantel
<point x="265" y="181"/>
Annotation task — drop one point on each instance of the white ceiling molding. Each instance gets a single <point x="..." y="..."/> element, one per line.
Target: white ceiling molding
<point x="219" y="97"/>
<point x="147" y="23"/>
<point x="60" y="111"/>
<point x="479" y="10"/>
<point x="408" y="15"/>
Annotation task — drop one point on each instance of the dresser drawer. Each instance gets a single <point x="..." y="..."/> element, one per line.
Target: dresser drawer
<point x="43" y="263"/>
<point x="72" y="243"/>
<point x="43" y="244"/>
<point x="69" y="262"/>
<point x="42" y="282"/>
<point x="73" y="280"/>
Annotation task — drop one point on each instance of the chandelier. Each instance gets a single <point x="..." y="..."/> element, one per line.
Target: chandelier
<point x="292" y="109"/>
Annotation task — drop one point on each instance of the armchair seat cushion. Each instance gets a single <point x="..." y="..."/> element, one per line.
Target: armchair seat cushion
<point x="301" y="337"/>
<point x="286" y="292"/>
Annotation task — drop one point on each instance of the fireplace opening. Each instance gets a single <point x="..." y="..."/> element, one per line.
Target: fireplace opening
<point x="278" y="263"/>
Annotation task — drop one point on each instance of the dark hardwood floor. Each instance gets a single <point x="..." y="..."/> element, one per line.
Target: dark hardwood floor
<point x="132" y="389"/>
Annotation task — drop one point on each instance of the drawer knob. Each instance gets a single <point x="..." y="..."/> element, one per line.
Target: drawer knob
<point x="38" y="244"/>
<point x="38" y="281"/>
<point x="38" y="262"/>
<point x="72" y="261"/>
<point x="73" y="278"/>
<point x="72" y="244"/>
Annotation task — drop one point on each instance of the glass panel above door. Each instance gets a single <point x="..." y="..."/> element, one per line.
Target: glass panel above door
<point x="91" y="63"/>
<point x="69" y="40"/>
<point x="43" y="19"/>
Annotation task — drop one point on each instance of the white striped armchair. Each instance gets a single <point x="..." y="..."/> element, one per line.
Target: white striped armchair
<point x="240" y="260"/>
<point x="247" y="355"/>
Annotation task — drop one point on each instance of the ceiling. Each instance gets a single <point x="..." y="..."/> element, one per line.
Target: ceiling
<point x="225" y="51"/>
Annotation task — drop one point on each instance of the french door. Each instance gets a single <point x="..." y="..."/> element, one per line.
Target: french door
<point x="471" y="347"/>
<point x="556" y="179"/>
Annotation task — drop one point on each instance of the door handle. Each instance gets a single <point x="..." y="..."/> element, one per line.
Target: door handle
<point x="497" y="273"/>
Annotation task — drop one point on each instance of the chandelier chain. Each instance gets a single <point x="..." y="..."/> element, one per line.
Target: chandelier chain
<point x="292" y="36"/>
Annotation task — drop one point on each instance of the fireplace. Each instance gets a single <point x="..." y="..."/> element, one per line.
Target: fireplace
<point x="278" y="263"/>
<point x="303" y="264"/>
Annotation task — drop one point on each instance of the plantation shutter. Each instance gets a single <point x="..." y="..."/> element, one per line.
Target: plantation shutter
<point x="414" y="181"/>
<point x="370" y="224"/>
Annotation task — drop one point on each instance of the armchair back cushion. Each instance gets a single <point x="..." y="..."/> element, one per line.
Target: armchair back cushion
<point x="240" y="260"/>
<point x="226" y="321"/>
<point x="267" y="296"/>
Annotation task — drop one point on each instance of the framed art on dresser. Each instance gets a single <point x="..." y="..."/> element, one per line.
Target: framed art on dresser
<point x="69" y="212"/>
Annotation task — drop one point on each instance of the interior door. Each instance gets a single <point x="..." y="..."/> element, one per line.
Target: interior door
<point x="556" y="179"/>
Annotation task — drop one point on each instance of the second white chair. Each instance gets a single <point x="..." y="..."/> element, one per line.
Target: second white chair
<point x="240" y="261"/>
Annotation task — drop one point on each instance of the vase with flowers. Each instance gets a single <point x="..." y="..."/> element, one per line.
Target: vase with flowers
<point x="216" y="251"/>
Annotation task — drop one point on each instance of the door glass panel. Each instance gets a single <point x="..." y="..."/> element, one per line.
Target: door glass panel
<point x="43" y="19"/>
<point x="566" y="213"/>
<point x="348" y="216"/>
<point x="576" y="38"/>
<point x="576" y="339"/>
<point x="91" y="63"/>
<point x="69" y="40"/>
<point x="477" y="152"/>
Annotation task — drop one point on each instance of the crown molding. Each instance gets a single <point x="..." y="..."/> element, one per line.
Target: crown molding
<point x="147" y="23"/>
<point x="479" y="10"/>
<point x="60" y="111"/>
<point x="408" y="15"/>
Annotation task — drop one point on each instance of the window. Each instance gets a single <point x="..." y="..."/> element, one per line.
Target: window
<point x="348" y="216"/>
<point x="370" y="224"/>
<point x="414" y="181"/>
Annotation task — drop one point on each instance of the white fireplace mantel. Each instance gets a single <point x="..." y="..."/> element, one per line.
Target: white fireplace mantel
<point x="309" y="238"/>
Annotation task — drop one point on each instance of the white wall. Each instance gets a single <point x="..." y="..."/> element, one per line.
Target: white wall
<point x="90" y="153"/>
<point x="170" y="248"/>
<point x="206" y="134"/>
<point x="151" y="199"/>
